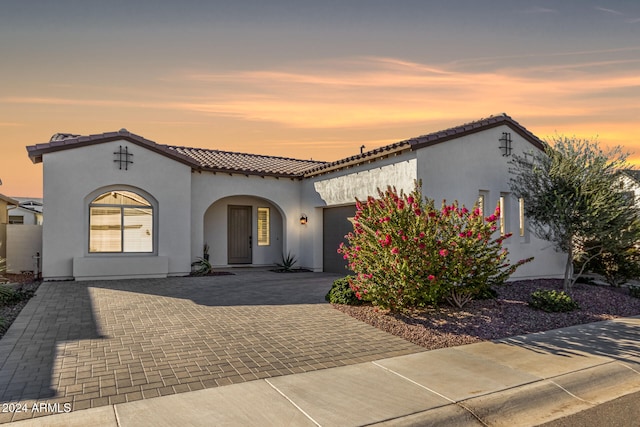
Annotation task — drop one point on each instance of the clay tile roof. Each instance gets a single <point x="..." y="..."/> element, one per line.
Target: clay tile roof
<point x="254" y="164"/>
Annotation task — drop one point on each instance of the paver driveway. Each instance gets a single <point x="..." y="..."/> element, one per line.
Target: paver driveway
<point x="98" y="343"/>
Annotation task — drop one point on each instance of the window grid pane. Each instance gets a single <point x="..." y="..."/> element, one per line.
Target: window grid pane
<point x="105" y="234"/>
<point x="138" y="230"/>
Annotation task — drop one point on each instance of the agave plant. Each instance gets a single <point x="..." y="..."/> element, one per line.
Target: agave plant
<point x="287" y="262"/>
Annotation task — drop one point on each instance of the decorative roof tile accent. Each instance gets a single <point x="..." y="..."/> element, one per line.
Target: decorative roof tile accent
<point x="232" y="162"/>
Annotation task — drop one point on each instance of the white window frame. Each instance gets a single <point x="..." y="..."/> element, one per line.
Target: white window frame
<point x="522" y="227"/>
<point x="151" y="206"/>
<point x="504" y="213"/>
<point x="483" y="198"/>
<point x="264" y="226"/>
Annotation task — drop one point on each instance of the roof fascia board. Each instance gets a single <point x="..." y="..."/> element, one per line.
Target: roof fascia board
<point x="518" y="129"/>
<point x="36" y="153"/>
<point x="359" y="160"/>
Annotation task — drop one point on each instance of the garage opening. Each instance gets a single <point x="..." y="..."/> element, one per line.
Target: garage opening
<point x="335" y="225"/>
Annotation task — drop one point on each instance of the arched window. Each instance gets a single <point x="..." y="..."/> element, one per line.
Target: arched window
<point x="120" y="222"/>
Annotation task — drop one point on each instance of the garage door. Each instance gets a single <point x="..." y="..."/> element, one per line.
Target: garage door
<point x="335" y="225"/>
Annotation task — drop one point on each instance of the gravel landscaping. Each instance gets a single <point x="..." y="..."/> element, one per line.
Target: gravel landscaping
<point x="506" y="316"/>
<point x="8" y="313"/>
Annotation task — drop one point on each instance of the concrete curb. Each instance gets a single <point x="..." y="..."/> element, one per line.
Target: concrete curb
<point x="294" y="400"/>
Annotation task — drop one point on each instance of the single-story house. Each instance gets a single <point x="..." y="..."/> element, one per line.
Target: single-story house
<point x="119" y="205"/>
<point x="630" y="184"/>
<point x="24" y="236"/>
<point x="28" y="212"/>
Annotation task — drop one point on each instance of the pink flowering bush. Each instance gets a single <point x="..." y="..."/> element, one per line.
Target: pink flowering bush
<point x="406" y="253"/>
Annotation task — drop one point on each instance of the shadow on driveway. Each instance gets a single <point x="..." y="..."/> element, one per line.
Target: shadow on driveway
<point x="106" y="342"/>
<point x="59" y="312"/>
<point x="239" y="289"/>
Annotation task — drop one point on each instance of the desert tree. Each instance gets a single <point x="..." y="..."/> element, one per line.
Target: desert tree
<point x="573" y="198"/>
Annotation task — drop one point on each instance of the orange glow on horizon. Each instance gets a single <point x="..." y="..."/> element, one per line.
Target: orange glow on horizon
<point x="323" y="111"/>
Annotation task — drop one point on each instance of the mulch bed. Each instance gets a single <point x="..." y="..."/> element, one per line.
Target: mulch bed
<point x="214" y="273"/>
<point x="507" y="315"/>
<point x="292" y="270"/>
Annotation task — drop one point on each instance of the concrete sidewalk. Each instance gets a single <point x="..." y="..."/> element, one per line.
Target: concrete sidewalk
<point x="526" y="380"/>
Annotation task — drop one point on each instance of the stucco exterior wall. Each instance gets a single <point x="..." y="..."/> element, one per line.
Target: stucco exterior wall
<point x="72" y="176"/>
<point x="23" y="242"/>
<point x="212" y="193"/>
<point x="460" y="169"/>
<point x="342" y="187"/>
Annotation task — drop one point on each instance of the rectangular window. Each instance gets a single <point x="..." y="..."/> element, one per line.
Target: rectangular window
<point x="521" y="214"/>
<point x="483" y="198"/>
<point x="503" y="214"/>
<point x="263" y="227"/>
<point x="16" y="219"/>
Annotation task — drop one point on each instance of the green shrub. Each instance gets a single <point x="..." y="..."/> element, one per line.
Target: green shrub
<point x="552" y="301"/>
<point x="487" y="293"/>
<point x="8" y="295"/>
<point x="585" y="280"/>
<point x="406" y="253"/>
<point x="634" y="291"/>
<point x="617" y="266"/>
<point x="341" y="292"/>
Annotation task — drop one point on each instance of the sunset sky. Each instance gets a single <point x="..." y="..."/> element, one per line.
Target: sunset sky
<point x="311" y="79"/>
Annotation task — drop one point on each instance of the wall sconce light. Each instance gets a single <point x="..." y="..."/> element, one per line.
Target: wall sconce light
<point x="505" y="144"/>
<point x="303" y="219"/>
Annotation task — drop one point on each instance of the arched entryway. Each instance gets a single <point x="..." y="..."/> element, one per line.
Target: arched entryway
<point x="245" y="230"/>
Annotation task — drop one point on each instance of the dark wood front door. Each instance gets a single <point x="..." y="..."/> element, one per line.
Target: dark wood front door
<point x="239" y="235"/>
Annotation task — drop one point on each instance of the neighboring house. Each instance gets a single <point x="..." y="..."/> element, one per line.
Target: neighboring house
<point x="5" y="204"/>
<point x="24" y="235"/>
<point x="630" y="185"/>
<point x="29" y="211"/>
<point x="119" y="205"/>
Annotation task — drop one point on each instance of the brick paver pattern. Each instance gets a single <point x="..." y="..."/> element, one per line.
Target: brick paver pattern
<point x="98" y="343"/>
